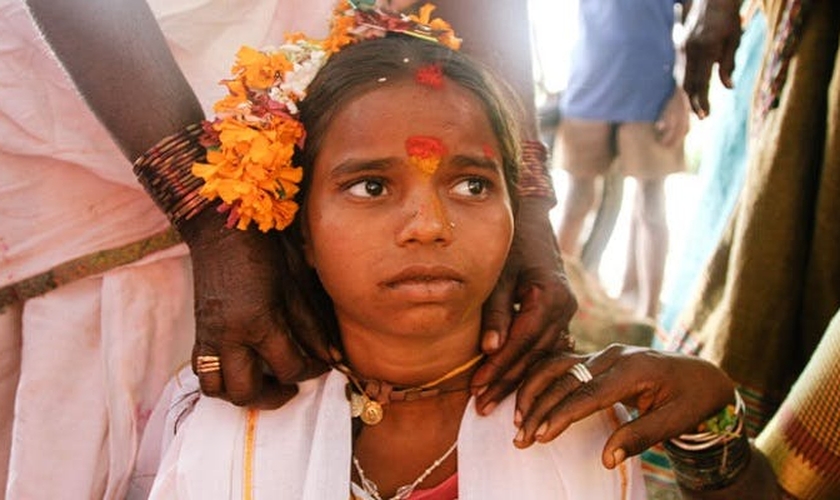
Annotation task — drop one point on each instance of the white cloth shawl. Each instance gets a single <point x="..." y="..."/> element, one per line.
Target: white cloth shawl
<point x="303" y="451"/>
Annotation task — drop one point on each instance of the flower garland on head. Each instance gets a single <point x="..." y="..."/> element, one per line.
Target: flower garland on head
<point x="251" y="141"/>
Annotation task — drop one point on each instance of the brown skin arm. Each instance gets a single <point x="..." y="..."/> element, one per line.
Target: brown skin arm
<point x="672" y="393"/>
<point x="756" y="482"/>
<point x="138" y="108"/>
<point x="714" y="31"/>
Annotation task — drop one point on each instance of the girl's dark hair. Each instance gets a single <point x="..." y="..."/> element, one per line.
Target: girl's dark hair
<point x="360" y="68"/>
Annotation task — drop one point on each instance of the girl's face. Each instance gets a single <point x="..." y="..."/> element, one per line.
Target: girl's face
<point x="408" y="221"/>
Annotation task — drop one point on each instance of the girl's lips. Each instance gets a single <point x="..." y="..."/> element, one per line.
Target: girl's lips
<point x="426" y="291"/>
<point x="424" y="275"/>
<point x="426" y="283"/>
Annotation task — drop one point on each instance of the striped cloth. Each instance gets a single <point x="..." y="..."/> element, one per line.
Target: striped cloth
<point x="85" y="266"/>
<point x="802" y="440"/>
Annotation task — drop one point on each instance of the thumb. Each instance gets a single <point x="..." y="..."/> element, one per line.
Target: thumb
<point x="497" y="315"/>
<point x="285" y="358"/>
<point x="635" y="437"/>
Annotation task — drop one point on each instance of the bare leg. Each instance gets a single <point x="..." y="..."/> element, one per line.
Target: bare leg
<point x="650" y="245"/>
<point x="612" y="192"/>
<point x="630" y="286"/>
<point x="584" y="149"/>
<point x="580" y="197"/>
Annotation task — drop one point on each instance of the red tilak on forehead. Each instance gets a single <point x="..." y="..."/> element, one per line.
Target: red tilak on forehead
<point x="430" y="75"/>
<point x="489" y="152"/>
<point x="425" y="152"/>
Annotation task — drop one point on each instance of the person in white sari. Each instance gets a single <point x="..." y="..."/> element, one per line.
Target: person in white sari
<point x="83" y="365"/>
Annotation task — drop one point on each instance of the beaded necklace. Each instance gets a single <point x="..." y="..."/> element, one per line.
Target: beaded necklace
<point x="404" y="491"/>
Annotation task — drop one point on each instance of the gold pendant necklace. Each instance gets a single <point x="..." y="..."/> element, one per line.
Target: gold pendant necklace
<point x="363" y="407"/>
<point x="369" y="407"/>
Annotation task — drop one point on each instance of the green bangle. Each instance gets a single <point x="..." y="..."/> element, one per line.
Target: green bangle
<point x="713" y="457"/>
<point x="725" y="425"/>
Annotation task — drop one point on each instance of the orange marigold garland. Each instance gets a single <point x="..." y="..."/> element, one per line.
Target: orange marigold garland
<point x="251" y="141"/>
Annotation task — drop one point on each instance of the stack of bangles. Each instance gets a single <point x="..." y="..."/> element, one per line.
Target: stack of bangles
<point x="712" y="458"/>
<point x="165" y="171"/>
<point x="534" y="177"/>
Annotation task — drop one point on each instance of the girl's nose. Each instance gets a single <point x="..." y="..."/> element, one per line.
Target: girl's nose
<point x="425" y="221"/>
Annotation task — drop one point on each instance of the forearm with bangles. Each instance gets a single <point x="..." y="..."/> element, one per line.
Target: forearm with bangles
<point x="534" y="177"/>
<point x="165" y="171"/>
<point x="718" y="460"/>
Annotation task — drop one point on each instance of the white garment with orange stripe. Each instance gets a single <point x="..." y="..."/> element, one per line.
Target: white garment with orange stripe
<point x="303" y="451"/>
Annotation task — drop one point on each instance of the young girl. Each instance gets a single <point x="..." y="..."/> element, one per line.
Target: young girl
<point x="406" y="218"/>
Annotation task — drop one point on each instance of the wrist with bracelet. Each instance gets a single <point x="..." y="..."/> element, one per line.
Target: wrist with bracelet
<point x="534" y="177"/>
<point x="714" y="456"/>
<point x="165" y="171"/>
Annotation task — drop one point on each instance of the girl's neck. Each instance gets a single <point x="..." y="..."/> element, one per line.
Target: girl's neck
<point x="407" y="362"/>
<point x="410" y="434"/>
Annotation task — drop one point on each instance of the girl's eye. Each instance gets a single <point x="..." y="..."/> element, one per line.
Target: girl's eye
<point x="474" y="186"/>
<point x="367" y="188"/>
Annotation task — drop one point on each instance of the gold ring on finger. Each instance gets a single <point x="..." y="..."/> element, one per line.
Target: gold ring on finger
<point x="207" y="364"/>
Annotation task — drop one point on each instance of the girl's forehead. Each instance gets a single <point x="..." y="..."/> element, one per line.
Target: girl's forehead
<point x="387" y="121"/>
<point x="410" y="106"/>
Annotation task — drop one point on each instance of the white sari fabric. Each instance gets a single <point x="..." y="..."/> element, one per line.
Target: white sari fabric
<point x="82" y="367"/>
<point x="303" y="451"/>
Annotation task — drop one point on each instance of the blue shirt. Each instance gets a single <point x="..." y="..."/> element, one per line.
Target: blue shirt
<point x="623" y="61"/>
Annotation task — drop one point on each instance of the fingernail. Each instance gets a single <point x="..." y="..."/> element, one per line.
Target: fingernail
<point x="488" y="408"/>
<point x="618" y="456"/>
<point x="492" y="341"/>
<point x="519" y="436"/>
<point x="481" y="390"/>
<point x="517" y="418"/>
<point x="541" y="431"/>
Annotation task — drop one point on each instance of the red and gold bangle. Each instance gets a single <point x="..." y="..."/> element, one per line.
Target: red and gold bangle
<point x="165" y="171"/>
<point x="535" y="178"/>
